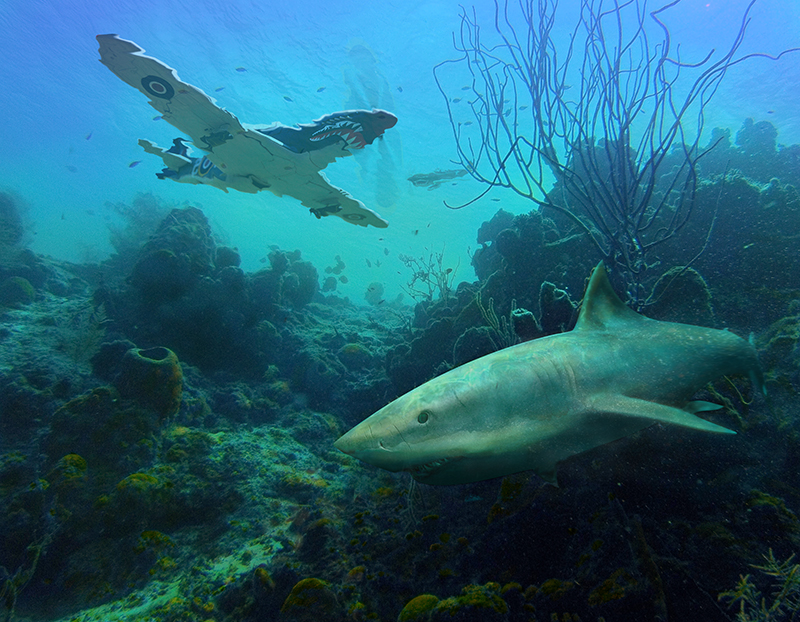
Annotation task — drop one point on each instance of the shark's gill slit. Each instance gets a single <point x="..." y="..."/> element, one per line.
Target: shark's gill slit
<point x="400" y="434"/>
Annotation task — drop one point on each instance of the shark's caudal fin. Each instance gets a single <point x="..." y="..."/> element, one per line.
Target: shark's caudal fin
<point x="602" y="308"/>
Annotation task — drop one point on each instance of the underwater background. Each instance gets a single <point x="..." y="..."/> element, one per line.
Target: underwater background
<point x="176" y="362"/>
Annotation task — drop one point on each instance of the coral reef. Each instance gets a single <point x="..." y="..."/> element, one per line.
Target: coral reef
<point x="168" y="418"/>
<point x="15" y="291"/>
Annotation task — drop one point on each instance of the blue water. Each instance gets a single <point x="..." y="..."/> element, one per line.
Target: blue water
<point x="70" y="126"/>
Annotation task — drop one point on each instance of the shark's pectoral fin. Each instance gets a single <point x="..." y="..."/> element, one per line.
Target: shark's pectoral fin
<point x="642" y="409"/>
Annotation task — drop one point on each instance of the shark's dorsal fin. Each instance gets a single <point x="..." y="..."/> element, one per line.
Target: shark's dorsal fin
<point x="601" y="307"/>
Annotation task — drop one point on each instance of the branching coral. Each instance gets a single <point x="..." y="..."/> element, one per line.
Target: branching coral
<point x="785" y="597"/>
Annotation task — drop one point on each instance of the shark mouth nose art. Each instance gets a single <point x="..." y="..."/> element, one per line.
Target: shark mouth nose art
<point x="351" y="132"/>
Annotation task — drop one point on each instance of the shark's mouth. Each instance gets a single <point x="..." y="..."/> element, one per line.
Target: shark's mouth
<point x="421" y="471"/>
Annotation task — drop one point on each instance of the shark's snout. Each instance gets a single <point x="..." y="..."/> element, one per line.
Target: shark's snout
<point x="360" y="442"/>
<point x="348" y="443"/>
<point x="376" y="443"/>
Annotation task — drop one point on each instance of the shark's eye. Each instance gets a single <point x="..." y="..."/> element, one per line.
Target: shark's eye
<point x="423" y="416"/>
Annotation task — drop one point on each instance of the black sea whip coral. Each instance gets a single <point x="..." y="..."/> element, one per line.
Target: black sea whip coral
<point x="602" y="124"/>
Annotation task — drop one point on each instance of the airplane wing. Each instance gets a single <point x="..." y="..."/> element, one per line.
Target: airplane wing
<point x="252" y="159"/>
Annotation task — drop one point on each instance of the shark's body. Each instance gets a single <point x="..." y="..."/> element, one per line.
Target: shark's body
<point x="535" y="404"/>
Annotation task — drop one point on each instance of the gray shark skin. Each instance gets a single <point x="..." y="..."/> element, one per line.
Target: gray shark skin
<point x="530" y="406"/>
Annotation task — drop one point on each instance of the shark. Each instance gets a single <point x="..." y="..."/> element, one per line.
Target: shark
<point x="530" y="406"/>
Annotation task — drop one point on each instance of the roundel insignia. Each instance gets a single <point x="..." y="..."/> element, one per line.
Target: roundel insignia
<point x="158" y="87"/>
<point x="205" y="166"/>
<point x="354" y="217"/>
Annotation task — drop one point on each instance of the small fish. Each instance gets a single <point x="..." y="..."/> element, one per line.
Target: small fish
<point x="377" y="263"/>
<point x="369" y="263"/>
<point x="496" y="200"/>
<point x="415" y="232"/>
<point x="219" y="88"/>
<point x="768" y="112"/>
<point x="241" y="69"/>
<point x="89" y="135"/>
<point x="343" y="279"/>
<point x="523" y="107"/>
<point x="466" y="88"/>
<point x="320" y="89"/>
<point x="72" y="169"/>
<point x="467" y="122"/>
<point x="455" y="100"/>
<point x="386" y="251"/>
<point x="158" y="117"/>
<point x="288" y="99"/>
<point x="746" y="246"/>
<point x="262" y="260"/>
<point x="134" y="163"/>
<point x="399" y="89"/>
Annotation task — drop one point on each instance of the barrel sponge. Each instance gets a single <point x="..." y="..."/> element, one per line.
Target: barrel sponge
<point x="152" y="377"/>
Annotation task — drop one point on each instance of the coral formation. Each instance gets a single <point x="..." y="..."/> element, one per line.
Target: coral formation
<point x="310" y="600"/>
<point x="475" y="602"/>
<point x="152" y="377"/>
<point x="188" y="472"/>
<point x="418" y="608"/>
<point x="16" y="291"/>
